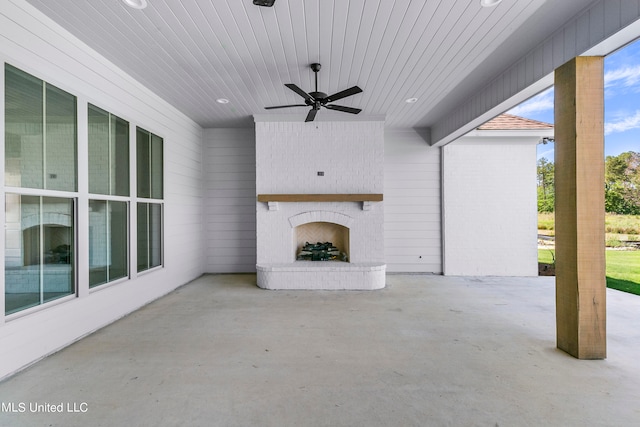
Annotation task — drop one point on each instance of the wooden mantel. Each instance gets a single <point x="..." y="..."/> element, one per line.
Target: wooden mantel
<point x="319" y="197"/>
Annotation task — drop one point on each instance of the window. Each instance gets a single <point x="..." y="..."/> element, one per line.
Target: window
<point x="39" y="250"/>
<point x="108" y="241"/>
<point x="149" y="153"/>
<point x="40" y="133"/>
<point x="40" y="154"/>
<point x="108" y="175"/>
<point x="108" y="153"/>
<point x="149" y="235"/>
<point x="149" y="165"/>
<point x="41" y="195"/>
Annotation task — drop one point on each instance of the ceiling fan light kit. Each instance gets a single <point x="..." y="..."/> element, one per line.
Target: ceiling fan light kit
<point x="317" y="99"/>
<point x="489" y="3"/>
<point x="136" y="4"/>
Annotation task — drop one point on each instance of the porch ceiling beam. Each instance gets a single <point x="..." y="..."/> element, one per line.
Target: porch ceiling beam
<point x="602" y="28"/>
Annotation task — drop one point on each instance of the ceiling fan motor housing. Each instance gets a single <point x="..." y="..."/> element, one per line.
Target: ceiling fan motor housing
<point x="317" y="96"/>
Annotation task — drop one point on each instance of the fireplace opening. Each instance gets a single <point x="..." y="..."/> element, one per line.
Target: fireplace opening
<point x="321" y="241"/>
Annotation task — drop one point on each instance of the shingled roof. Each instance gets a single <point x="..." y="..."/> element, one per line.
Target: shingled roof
<point x="511" y="122"/>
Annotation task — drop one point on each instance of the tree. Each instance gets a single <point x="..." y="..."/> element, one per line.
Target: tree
<point x="621" y="186"/>
<point x="546" y="185"/>
<point x="622" y="183"/>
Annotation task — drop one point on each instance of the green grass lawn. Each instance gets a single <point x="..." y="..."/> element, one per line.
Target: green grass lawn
<point x="546" y="255"/>
<point x="623" y="269"/>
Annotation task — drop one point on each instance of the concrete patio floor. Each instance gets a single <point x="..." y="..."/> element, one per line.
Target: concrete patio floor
<point x="425" y="351"/>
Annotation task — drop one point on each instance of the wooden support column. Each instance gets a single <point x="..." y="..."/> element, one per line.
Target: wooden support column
<point x="579" y="180"/>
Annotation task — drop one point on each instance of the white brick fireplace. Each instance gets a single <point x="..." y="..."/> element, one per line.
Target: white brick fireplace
<point x="316" y="182"/>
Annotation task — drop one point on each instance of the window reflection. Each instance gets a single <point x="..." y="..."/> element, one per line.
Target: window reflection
<point x="39" y="246"/>
<point x="108" y="247"/>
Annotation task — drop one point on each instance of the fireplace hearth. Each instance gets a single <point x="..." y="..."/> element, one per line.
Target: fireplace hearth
<point x="279" y="247"/>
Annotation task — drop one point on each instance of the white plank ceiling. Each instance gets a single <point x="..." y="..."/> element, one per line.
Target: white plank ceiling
<point x="192" y="52"/>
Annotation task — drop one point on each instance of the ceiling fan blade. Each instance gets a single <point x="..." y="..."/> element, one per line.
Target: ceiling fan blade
<point x="343" y="109"/>
<point x="300" y="92"/>
<point x="343" y="94"/>
<point x="311" y="115"/>
<point x="285" y="106"/>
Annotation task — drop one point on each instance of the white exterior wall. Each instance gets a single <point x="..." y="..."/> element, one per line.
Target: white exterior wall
<point x="230" y="189"/>
<point x="490" y="207"/>
<point x="412" y="203"/>
<point x="35" y="44"/>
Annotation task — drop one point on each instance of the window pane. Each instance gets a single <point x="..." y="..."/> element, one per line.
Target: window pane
<point x="143" y="236"/>
<point x="107" y="241"/>
<point x="120" y="156"/>
<point x="155" y="235"/>
<point x="97" y="242"/>
<point x="98" y="151"/>
<point x="60" y="140"/>
<point x="118" y="215"/>
<point x="156" y="167"/>
<point x="39" y="249"/>
<point x="149" y="152"/>
<point x="149" y="235"/>
<point x="40" y="131"/>
<point x="22" y="252"/>
<point x="23" y="129"/>
<point x="57" y="248"/>
<point x="108" y="153"/>
<point x="143" y="145"/>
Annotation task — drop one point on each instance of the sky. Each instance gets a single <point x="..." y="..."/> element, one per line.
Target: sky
<point x="621" y="104"/>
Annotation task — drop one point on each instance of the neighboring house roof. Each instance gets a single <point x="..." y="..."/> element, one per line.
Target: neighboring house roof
<point x="511" y="122"/>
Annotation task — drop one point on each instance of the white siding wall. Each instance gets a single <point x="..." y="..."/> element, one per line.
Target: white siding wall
<point x="230" y="165"/>
<point x="490" y="207"/>
<point x="34" y="43"/>
<point x="412" y="203"/>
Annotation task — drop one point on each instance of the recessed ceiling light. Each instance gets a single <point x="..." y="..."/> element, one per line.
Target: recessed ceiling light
<point x="411" y="100"/>
<point x="222" y="101"/>
<point x="489" y="3"/>
<point x="136" y="4"/>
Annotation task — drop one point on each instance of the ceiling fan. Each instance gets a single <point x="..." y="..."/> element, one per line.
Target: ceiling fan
<point x="316" y="99"/>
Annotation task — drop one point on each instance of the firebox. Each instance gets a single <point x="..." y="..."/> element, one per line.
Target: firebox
<point x="322" y="241"/>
